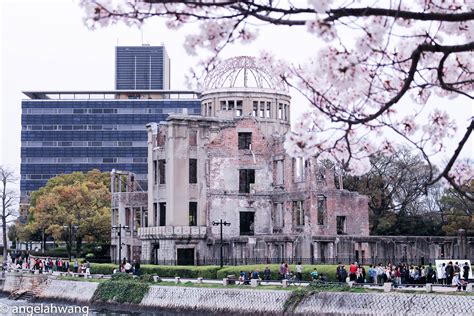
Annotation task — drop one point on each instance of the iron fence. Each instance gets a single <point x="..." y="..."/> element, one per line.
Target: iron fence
<point x="293" y="260"/>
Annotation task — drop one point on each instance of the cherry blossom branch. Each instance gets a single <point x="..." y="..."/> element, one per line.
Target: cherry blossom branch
<point x="446" y="86"/>
<point x="335" y="14"/>
<point x="415" y="57"/>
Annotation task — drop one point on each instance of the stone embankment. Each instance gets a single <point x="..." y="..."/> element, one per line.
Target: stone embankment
<point x="248" y="301"/>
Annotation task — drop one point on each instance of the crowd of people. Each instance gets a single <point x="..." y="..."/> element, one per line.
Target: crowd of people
<point x="25" y="261"/>
<point x="451" y="274"/>
<point x="127" y="267"/>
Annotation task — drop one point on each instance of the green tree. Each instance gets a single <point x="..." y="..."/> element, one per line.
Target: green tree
<point x="70" y="204"/>
<point x="458" y="212"/>
<point x="399" y="201"/>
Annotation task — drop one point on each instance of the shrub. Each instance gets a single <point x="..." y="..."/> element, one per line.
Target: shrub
<point x="123" y="291"/>
<point x="119" y="276"/>
<point x="90" y="255"/>
<point x="147" y="278"/>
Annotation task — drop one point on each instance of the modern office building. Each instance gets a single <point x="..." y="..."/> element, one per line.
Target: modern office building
<point x="63" y="132"/>
<point x="142" y="68"/>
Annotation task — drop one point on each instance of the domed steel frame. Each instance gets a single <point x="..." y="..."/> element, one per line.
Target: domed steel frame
<point x="242" y="72"/>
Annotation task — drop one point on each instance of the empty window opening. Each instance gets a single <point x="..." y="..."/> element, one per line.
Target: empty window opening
<point x="246" y="180"/>
<point x="245" y="140"/>
<point x="298" y="210"/>
<point x="155" y="214"/>
<point x="128" y="215"/>
<point x="162" y="214"/>
<point x="262" y="109"/>
<point x="247" y="225"/>
<point x="162" y="170"/>
<point x="277" y="215"/>
<point x="298" y="169"/>
<point x="341" y="225"/>
<point x="321" y="209"/>
<point x="192" y="138"/>
<point x="192" y="213"/>
<point x="238" y="108"/>
<point x="138" y="218"/>
<point x="192" y="170"/>
<point x="267" y="112"/>
<point x="155" y="172"/>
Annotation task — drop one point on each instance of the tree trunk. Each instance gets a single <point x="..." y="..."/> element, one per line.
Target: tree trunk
<point x="78" y="245"/>
<point x="44" y="240"/>
<point x="4" y="217"/>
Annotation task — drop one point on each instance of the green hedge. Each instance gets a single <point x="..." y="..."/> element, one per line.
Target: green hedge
<point x="207" y="272"/>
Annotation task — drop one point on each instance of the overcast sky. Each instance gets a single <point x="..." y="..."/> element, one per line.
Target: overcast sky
<point x="45" y="46"/>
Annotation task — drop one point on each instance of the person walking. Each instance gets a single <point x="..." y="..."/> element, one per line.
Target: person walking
<point x="299" y="272"/>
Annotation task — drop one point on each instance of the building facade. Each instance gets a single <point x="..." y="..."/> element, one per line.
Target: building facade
<point x="229" y="165"/>
<point x="63" y="132"/>
<point x="142" y="68"/>
<point x="67" y="131"/>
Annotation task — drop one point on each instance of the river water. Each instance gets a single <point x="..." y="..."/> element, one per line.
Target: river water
<point x="10" y="307"/>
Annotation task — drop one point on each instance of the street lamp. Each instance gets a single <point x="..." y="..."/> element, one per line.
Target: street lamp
<point x="221" y="223"/>
<point x="119" y="228"/>
<point x="69" y="228"/>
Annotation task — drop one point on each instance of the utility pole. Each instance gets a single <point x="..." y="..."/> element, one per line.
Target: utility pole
<point x="221" y="224"/>
<point x="119" y="228"/>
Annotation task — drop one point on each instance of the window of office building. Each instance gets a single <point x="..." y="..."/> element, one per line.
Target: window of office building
<point x="298" y="211"/>
<point x="245" y="140"/>
<point x="247" y="225"/>
<point x="155" y="214"/>
<point x="246" y="179"/>
<point x="255" y="108"/>
<point x="162" y="170"/>
<point x="162" y="214"/>
<point x="192" y="213"/>
<point x="192" y="170"/>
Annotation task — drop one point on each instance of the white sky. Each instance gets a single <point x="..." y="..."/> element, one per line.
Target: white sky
<point x="45" y="46"/>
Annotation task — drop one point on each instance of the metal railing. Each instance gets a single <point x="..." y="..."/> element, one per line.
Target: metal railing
<point x="293" y="260"/>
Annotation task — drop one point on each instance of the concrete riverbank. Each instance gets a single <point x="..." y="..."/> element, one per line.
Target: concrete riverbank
<point x="242" y="301"/>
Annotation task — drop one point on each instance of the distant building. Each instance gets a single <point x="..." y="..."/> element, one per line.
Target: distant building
<point x="67" y="131"/>
<point x="142" y="68"/>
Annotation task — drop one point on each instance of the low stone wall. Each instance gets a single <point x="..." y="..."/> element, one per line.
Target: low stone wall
<point x="250" y="301"/>
<point x="72" y="291"/>
<point x="330" y="303"/>
<point x="215" y="300"/>
<point x="22" y="282"/>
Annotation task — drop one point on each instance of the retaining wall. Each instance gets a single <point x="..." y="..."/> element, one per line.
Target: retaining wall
<point x="249" y="301"/>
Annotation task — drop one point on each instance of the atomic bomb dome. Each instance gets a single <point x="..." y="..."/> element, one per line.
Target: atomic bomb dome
<point x="242" y="72"/>
<point x="239" y="87"/>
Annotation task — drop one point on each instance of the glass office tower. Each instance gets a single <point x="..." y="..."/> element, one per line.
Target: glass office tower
<point x="142" y="68"/>
<point x="63" y="132"/>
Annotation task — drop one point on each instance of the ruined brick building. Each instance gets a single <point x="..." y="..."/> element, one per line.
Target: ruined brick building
<point x="229" y="164"/>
